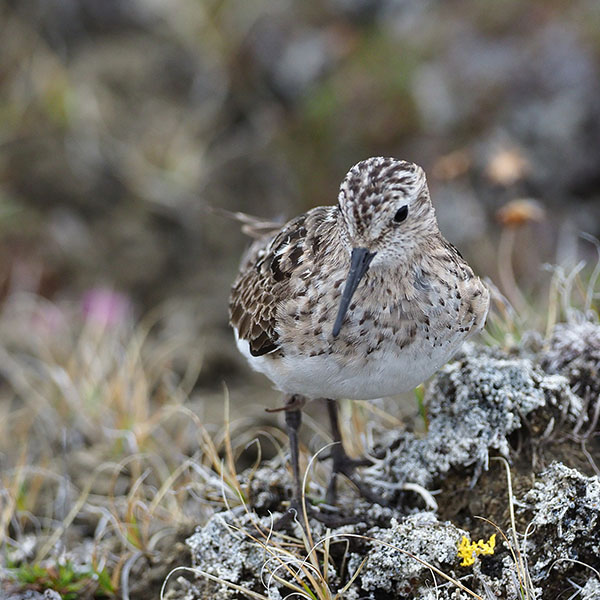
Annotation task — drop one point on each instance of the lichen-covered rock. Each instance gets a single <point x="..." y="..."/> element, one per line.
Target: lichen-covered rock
<point x="389" y="566"/>
<point x="575" y="352"/>
<point x="591" y="590"/>
<point x="473" y="405"/>
<point x="230" y="554"/>
<point x="33" y="595"/>
<point x="238" y="547"/>
<point x="224" y="552"/>
<point x="566" y="521"/>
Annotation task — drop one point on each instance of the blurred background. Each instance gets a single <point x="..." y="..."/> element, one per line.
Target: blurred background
<point x="121" y="121"/>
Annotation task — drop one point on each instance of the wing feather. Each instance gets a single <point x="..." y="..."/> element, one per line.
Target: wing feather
<point x="263" y="283"/>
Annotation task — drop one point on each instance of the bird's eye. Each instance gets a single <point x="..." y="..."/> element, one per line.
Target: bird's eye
<point x="401" y="214"/>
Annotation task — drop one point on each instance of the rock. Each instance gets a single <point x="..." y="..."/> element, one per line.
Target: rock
<point x="575" y="353"/>
<point x="33" y="595"/>
<point x="228" y="555"/>
<point x="591" y="590"/>
<point x="566" y="521"/>
<point x="390" y="567"/>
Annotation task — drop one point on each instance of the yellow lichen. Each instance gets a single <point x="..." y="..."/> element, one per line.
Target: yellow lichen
<point x="469" y="550"/>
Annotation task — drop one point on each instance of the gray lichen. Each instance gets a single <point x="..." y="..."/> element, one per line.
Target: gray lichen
<point x="223" y="551"/>
<point x="574" y="351"/>
<point x="226" y="553"/>
<point x="566" y="519"/>
<point x="591" y="590"/>
<point x="390" y="566"/>
<point x="33" y="595"/>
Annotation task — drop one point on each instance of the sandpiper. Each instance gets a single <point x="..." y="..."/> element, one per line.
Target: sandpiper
<point x="361" y="300"/>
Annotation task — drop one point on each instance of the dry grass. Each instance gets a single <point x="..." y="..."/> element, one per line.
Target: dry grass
<point x="572" y="296"/>
<point x="102" y="440"/>
<point x="98" y="441"/>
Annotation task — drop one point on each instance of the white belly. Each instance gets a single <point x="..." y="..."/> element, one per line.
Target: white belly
<point x="382" y="373"/>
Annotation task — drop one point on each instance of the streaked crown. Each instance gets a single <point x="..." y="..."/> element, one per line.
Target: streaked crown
<point x="385" y="203"/>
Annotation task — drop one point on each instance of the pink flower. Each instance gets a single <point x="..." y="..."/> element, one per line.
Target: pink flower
<point x="106" y="307"/>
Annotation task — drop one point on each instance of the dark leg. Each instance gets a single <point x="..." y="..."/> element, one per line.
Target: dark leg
<point x="293" y="420"/>
<point x="342" y="463"/>
<point x="336" y="450"/>
<point x="332" y="409"/>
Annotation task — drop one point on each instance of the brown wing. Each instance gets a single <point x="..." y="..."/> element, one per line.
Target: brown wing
<point x="262" y="284"/>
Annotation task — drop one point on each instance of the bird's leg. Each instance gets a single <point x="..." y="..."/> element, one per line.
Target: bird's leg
<point x="342" y="463"/>
<point x="293" y="420"/>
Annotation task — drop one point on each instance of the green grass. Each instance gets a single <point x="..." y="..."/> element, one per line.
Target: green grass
<point x="70" y="582"/>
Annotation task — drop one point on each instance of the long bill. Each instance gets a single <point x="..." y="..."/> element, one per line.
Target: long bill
<point x="359" y="263"/>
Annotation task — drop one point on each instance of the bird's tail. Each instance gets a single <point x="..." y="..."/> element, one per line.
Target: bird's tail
<point x="253" y="227"/>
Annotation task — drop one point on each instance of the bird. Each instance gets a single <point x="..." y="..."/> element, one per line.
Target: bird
<point x="359" y="300"/>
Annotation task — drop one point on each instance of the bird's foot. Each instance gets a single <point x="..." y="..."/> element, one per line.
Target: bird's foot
<point x="345" y="465"/>
<point x="342" y="463"/>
